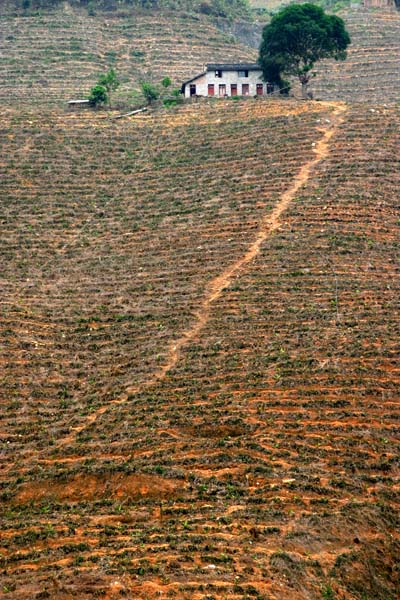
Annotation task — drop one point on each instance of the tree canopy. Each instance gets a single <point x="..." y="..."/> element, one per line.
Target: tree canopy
<point x="296" y="38"/>
<point x="110" y="82"/>
<point x="150" y="92"/>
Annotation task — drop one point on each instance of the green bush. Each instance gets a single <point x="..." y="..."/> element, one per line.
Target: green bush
<point x="98" y="95"/>
<point x="150" y="92"/>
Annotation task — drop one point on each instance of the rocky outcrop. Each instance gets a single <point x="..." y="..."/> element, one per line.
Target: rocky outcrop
<point x="245" y="32"/>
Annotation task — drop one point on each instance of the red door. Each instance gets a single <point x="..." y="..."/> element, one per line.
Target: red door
<point x="233" y="89"/>
<point x="222" y="89"/>
<point x="260" y="89"/>
<point x="211" y="89"/>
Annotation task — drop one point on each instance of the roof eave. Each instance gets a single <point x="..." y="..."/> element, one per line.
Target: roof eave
<point x="233" y="66"/>
<point x="185" y="83"/>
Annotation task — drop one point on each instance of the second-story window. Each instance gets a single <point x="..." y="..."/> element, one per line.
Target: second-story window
<point x="218" y="73"/>
<point x="243" y="73"/>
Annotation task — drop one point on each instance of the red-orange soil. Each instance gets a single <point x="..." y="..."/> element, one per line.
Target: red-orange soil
<point x="200" y="353"/>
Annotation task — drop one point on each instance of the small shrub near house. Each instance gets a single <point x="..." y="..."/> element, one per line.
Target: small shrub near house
<point x="101" y="93"/>
<point x="150" y="92"/>
<point x="98" y="96"/>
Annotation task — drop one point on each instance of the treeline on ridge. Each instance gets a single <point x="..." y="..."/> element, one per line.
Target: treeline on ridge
<point x="220" y="8"/>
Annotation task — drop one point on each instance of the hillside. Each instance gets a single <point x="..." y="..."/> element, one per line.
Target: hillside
<point x="199" y="389"/>
<point x="199" y="322"/>
<point x="371" y="71"/>
<point x="46" y="60"/>
<point x="59" y="56"/>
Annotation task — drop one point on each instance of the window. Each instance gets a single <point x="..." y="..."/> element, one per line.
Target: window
<point x="211" y="89"/>
<point x="245" y="89"/>
<point x="260" y="89"/>
<point x="233" y="89"/>
<point x="270" y="88"/>
<point x="192" y="90"/>
<point x="222" y="89"/>
<point x="218" y="73"/>
<point x="243" y="73"/>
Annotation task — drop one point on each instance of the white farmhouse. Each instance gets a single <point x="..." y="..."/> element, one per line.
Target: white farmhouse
<point x="242" y="79"/>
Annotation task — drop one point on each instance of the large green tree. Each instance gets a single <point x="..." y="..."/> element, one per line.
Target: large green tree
<point x="296" y="38"/>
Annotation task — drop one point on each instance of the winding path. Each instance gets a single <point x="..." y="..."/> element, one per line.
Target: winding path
<point x="215" y="289"/>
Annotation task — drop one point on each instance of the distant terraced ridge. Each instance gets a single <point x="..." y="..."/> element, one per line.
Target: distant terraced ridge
<point x="59" y="55"/>
<point x="372" y="69"/>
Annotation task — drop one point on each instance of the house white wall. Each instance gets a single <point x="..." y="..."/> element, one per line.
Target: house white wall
<point x="228" y="79"/>
<point x="201" y="86"/>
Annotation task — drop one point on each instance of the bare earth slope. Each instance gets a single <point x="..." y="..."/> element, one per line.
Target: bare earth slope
<point x="198" y="324"/>
<point x="259" y="457"/>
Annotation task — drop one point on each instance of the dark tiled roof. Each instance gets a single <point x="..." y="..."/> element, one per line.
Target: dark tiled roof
<point x="195" y="77"/>
<point x="233" y="67"/>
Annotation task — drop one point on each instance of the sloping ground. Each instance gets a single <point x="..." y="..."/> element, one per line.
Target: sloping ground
<point x="109" y="240"/>
<point x="270" y="5"/>
<point x="264" y="462"/>
<point x="371" y="72"/>
<point x="58" y="56"/>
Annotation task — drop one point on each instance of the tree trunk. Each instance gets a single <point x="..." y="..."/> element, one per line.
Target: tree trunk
<point x="304" y="80"/>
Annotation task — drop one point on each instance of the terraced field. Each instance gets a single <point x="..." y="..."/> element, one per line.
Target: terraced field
<point x="67" y="244"/>
<point x="199" y="368"/>
<point x="371" y="71"/>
